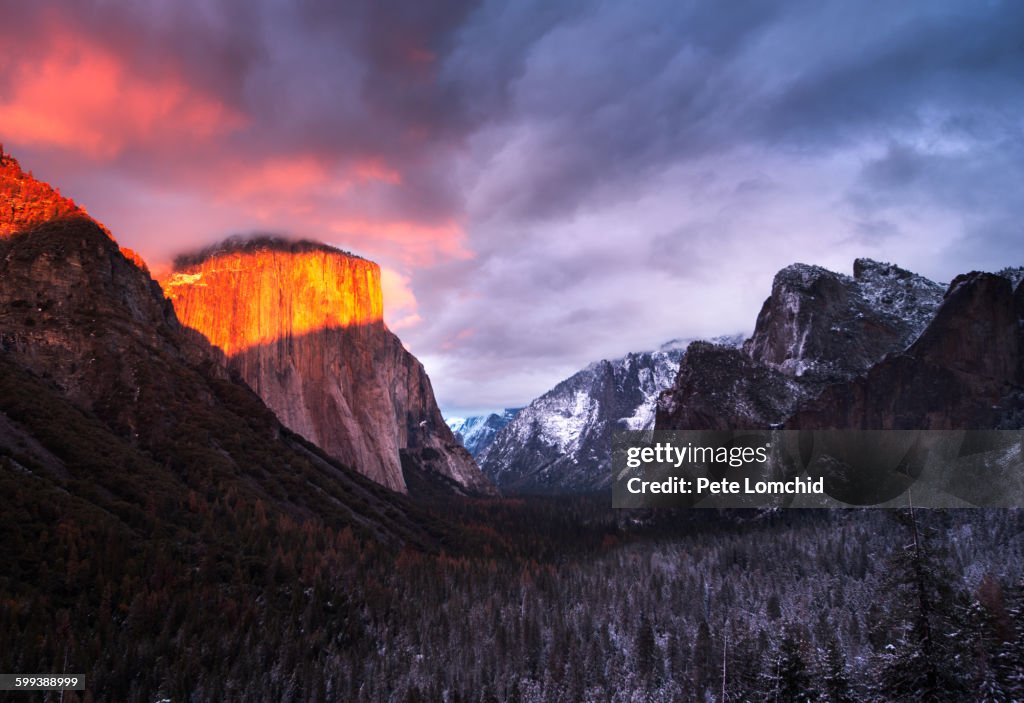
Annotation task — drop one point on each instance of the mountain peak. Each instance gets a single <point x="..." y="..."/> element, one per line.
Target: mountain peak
<point x="803" y="276"/>
<point x="829" y="324"/>
<point x="864" y="268"/>
<point x="478" y="431"/>
<point x="561" y="441"/>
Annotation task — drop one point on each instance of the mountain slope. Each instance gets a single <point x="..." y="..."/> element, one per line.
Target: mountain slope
<point x="964" y="371"/>
<point x="561" y="442"/>
<point x="826" y="325"/>
<point x="302" y="324"/>
<point x="163" y="533"/>
<point x="27" y="201"/>
<point x="85" y="333"/>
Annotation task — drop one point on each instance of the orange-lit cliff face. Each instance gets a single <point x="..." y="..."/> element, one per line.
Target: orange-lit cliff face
<point x="245" y="299"/>
<point x="303" y="325"/>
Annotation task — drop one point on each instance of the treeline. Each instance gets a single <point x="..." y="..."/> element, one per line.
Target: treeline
<point x="541" y="601"/>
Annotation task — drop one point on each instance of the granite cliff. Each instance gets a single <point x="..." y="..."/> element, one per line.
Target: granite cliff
<point x="883" y="349"/>
<point x="964" y="371"/>
<point x="302" y="324"/>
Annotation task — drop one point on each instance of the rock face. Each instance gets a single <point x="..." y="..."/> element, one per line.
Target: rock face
<point x="302" y="324"/>
<point x="72" y="304"/>
<point x="476" y="433"/>
<point x="720" y="387"/>
<point x="26" y="202"/>
<point x="823" y="324"/>
<point x="561" y="442"/>
<point x="886" y="349"/>
<point x="963" y="372"/>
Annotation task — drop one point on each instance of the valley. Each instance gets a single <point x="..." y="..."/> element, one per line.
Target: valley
<point x="239" y="486"/>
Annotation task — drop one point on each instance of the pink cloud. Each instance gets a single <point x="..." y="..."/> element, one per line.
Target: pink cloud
<point x="81" y="96"/>
<point x="413" y="243"/>
<point x="293" y="180"/>
<point x="400" y="306"/>
<point x="170" y="162"/>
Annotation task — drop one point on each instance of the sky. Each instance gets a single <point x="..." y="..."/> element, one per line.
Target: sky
<point x="544" y="183"/>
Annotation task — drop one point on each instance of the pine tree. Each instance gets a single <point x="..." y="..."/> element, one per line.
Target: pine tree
<point x="1009" y="659"/>
<point x="646" y="649"/>
<point x="990" y="691"/>
<point x="837" y="684"/>
<point x="745" y="659"/>
<point x="924" y="663"/>
<point x="703" y="658"/>
<point x="794" y="678"/>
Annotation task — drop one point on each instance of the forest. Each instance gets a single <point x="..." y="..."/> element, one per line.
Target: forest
<point x="524" y="600"/>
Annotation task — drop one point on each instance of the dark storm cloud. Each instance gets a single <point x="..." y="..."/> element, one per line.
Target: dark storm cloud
<point x="720" y="144"/>
<point x="613" y="93"/>
<point x="954" y="56"/>
<point x="680" y="82"/>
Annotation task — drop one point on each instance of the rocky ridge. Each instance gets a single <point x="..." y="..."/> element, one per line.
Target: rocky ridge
<point x="884" y="349"/>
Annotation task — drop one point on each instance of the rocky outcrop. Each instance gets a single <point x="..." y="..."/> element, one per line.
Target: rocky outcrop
<point x="826" y="325"/>
<point x="720" y="387"/>
<point x="75" y="311"/>
<point x="25" y="201"/>
<point x="302" y="324"/>
<point x="963" y="372"/>
<point x="884" y="349"/>
<point x="73" y="307"/>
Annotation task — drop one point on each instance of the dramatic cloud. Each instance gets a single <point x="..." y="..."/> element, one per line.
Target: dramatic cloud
<point x="545" y="183"/>
<point x="81" y="97"/>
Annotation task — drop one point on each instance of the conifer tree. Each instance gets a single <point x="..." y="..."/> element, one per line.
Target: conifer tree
<point x="794" y="678"/>
<point x="836" y="682"/>
<point x="924" y="662"/>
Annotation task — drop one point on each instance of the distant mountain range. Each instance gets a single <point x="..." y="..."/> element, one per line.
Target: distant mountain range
<point x="883" y="348"/>
<point x="561" y="441"/>
<point x="477" y="432"/>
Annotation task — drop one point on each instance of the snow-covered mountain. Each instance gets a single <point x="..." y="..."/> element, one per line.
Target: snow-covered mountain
<point x="819" y="323"/>
<point x="885" y="349"/>
<point x="561" y="442"/>
<point x="818" y="328"/>
<point x="477" y="432"/>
